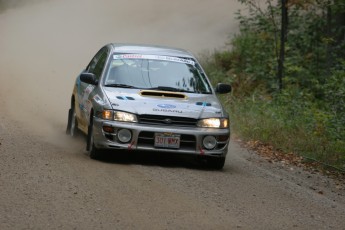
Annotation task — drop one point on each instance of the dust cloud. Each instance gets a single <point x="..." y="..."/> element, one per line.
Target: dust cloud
<point x="43" y="46"/>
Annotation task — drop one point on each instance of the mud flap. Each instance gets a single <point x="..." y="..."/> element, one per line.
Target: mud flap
<point x="69" y="121"/>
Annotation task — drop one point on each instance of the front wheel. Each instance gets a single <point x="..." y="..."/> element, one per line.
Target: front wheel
<point x="90" y="146"/>
<point x="216" y="162"/>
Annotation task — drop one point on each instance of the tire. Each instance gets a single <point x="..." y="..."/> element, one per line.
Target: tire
<point x="72" y="123"/>
<point x="90" y="146"/>
<point x="216" y="162"/>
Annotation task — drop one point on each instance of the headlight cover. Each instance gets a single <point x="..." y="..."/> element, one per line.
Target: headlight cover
<point x="107" y="114"/>
<point x="119" y="116"/>
<point x="124" y="116"/>
<point x="220" y="123"/>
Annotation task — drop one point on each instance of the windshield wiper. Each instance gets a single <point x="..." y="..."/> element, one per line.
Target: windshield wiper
<point x="171" y="89"/>
<point x="121" y="86"/>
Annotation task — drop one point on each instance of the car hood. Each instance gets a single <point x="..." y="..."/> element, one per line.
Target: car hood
<point x="164" y="103"/>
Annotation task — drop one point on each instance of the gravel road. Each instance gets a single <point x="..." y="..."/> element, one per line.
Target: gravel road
<point x="47" y="181"/>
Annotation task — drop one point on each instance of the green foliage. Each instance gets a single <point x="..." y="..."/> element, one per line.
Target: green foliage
<point x="308" y="116"/>
<point x="297" y="127"/>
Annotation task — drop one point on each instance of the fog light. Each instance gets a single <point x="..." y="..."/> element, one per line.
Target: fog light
<point x="209" y="142"/>
<point x="124" y="135"/>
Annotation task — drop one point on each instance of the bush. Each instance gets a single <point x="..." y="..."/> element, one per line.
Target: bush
<point x="306" y="117"/>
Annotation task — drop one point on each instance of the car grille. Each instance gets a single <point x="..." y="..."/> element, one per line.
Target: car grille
<point x="146" y="139"/>
<point x="167" y="120"/>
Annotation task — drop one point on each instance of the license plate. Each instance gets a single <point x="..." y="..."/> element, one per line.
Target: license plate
<point x="167" y="140"/>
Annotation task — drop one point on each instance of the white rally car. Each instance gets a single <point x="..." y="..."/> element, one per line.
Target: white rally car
<point x="149" y="98"/>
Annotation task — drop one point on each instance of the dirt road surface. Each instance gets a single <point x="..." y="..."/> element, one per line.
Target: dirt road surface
<point x="47" y="180"/>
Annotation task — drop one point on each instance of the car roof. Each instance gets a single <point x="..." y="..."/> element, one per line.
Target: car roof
<point x="149" y="49"/>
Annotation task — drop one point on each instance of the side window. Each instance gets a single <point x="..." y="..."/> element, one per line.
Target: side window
<point x="100" y="65"/>
<point x="93" y="62"/>
<point x="97" y="63"/>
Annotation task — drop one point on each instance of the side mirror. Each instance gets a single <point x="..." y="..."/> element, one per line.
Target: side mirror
<point x="223" y="88"/>
<point x="88" y="78"/>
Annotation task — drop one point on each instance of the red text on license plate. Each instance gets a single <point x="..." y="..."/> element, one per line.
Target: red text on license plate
<point x="167" y="140"/>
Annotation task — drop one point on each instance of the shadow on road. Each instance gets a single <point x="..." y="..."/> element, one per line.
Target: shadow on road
<point x="147" y="158"/>
<point x="154" y="159"/>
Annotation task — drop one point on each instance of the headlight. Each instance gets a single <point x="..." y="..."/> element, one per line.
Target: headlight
<point x="123" y="116"/>
<point x="119" y="116"/>
<point x="220" y="123"/>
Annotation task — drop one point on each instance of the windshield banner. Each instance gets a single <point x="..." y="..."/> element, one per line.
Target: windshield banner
<point x="153" y="57"/>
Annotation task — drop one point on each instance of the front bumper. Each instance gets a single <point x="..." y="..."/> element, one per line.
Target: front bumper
<point x="191" y="138"/>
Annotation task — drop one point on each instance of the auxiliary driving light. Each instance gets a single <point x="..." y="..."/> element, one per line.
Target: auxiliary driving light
<point x="209" y="142"/>
<point x="124" y="135"/>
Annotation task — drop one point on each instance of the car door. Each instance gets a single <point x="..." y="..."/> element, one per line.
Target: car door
<point x="96" y="66"/>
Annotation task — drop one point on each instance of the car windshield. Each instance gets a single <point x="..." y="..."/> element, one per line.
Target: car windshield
<point x="156" y="73"/>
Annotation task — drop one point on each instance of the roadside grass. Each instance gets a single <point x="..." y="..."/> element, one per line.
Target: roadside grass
<point x="274" y="125"/>
<point x="291" y="121"/>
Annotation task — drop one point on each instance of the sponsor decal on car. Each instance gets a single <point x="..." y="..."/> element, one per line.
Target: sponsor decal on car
<point x="98" y="99"/>
<point x="166" y="106"/>
<point x="85" y="103"/>
<point x="153" y="57"/>
<point x="203" y="104"/>
<point x="125" y="98"/>
<point x="167" y="110"/>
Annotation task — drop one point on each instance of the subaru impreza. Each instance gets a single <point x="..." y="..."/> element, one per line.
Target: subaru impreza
<point x="149" y="98"/>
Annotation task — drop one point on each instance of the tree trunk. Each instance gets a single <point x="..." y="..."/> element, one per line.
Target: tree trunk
<point x="283" y="36"/>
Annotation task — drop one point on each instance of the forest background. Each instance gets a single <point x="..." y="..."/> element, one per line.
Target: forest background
<point x="299" y="109"/>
